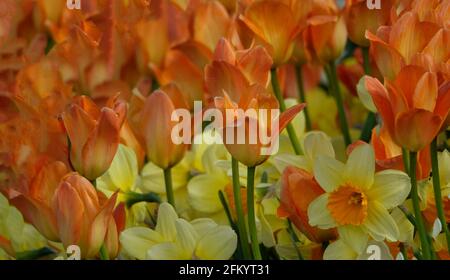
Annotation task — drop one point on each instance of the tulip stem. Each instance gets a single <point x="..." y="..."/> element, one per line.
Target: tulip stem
<point x="371" y="119"/>
<point x="333" y="80"/>
<point x="240" y="218"/>
<point x="420" y="225"/>
<point x="290" y="128"/>
<point x="169" y="188"/>
<point x="302" y="95"/>
<point x="437" y="190"/>
<point x="251" y="212"/>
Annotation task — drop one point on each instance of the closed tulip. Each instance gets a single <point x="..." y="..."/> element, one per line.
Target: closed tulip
<point x="94" y="134"/>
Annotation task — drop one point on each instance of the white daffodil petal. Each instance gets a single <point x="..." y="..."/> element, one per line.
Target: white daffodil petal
<point x="218" y="244"/>
<point x="136" y="241"/>
<point x="354" y="236"/>
<point x="380" y="223"/>
<point x="165" y="223"/>
<point x="339" y="250"/>
<point x="390" y="188"/>
<point x="166" y="251"/>
<point x="360" y="167"/>
<point x="328" y="172"/>
<point x="318" y="213"/>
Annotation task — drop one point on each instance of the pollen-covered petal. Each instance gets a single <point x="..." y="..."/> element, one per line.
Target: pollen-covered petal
<point x="380" y="224"/>
<point x="360" y="167"/>
<point x="328" y="173"/>
<point x="318" y="213"/>
<point x="390" y="188"/>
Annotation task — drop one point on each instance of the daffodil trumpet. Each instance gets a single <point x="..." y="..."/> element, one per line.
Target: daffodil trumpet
<point x="437" y="190"/>
<point x="302" y="95"/>
<point x="334" y="86"/>
<point x="251" y="212"/>
<point x="240" y="218"/>
<point x="420" y="225"/>
<point x="290" y="129"/>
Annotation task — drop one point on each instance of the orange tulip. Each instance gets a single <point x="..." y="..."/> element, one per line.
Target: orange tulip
<point x="83" y="218"/>
<point x="274" y="26"/>
<point x="405" y="43"/>
<point x="35" y="204"/>
<point x="359" y="18"/>
<point x="389" y="156"/>
<point x="413" y="107"/>
<point x="93" y="134"/>
<point x="298" y="190"/>
<point x="157" y="127"/>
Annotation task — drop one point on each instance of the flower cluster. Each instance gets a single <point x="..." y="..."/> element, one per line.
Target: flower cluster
<point x="350" y="103"/>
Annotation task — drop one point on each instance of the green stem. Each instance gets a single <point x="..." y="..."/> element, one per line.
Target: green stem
<point x="366" y="60"/>
<point x="169" y="188"/>
<point x="403" y="251"/>
<point x="134" y="197"/>
<point x="104" y="253"/>
<point x="251" y="212"/>
<point x="242" y="230"/>
<point x="405" y="157"/>
<point x="294" y="239"/>
<point x="302" y="95"/>
<point x="34" y="254"/>
<point x="437" y="190"/>
<point x="290" y="129"/>
<point x="420" y="225"/>
<point x="333" y="80"/>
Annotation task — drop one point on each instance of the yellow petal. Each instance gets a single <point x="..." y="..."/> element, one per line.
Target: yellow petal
<point x="318" y="213"/>
<point x="339" y="250"/>
<point x="379" y="223"/>
<point x="360" y="167"/>
<point x="165" y="224"/>
<point x="328" y="173"/>
<point x="390" y="188"/>
<point x="165" y="251"/>
<point x="317" y="143"/>
<point x="203" y="192"/>
<point x="136" y="241"/>
<point x="354" y="236"/>
<point x="218" y="244"/>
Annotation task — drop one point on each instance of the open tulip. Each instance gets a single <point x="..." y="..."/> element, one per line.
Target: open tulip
<point x="275" y="27"/>
<point x="84" y="217"/>
<point x="157" y="128"/>
<point x="413" y="107"/>
<point x="94" y="134"/>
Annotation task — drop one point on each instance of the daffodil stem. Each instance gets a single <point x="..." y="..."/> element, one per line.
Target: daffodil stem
<point x="334" y="84"/>
<point x="251" y="212"/>
<point x="366" y="60"/>
<point x="420" y="225"/>
<point x="294" y="240"/>
<point x="302" y="95"/>
<point x="240" y="218"/>
<point x="437" y="190"/>
<point x="169" y="188"/>
<point x="290" y="129"/>
<point x="134" y="197"/>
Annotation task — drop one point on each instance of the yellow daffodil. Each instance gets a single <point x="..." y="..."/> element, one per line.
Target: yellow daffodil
<point x="174" y="238"/>
<point x="356" y="199"/>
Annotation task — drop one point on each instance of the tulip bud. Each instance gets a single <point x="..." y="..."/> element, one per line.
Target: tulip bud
<point x="93" y="134"/>
<point x="157" y="125"/>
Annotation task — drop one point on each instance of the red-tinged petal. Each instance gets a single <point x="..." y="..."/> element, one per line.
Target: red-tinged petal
<point x="388" y="59"/>
<point x="213" y="15"/>
<point x="381" y="100"/>
<point x="120" y="216"/>
<point x="86" y="193"/>
<point x="255" y="64"/>
<point x="69" y="211"/>
<point x="223" y="77"/>
<point x="416" y="129"/>
<point x="287" y="116"/>
<point x="112" y="240"/>
<point x="443" y="101"/>
<point x="409" y="36"/>
<point x="6" y="245"/>
<point x="39" y="215"/>
<point x="426" y="92"/>
<point x="47" y="180"/>
<point x="99" y="226"/>
<point x="224" y="52"/>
